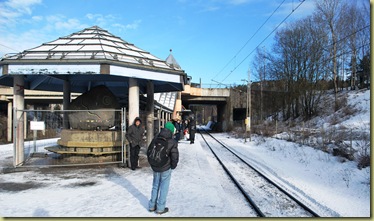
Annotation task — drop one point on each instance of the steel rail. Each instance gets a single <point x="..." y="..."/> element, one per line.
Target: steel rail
<point x="266" y="178"/>
<point x="248" y="198"/>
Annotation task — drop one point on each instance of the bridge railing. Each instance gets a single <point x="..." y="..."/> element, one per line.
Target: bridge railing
<point x="207" y="85"/>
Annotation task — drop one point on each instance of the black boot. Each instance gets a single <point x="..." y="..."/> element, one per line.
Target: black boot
<point x="162" y="212"/>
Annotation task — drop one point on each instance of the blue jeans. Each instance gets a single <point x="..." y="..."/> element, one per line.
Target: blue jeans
<point x="160" y="188"/>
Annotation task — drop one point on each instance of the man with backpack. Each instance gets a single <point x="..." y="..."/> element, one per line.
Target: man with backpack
<point x="163" y="157"/>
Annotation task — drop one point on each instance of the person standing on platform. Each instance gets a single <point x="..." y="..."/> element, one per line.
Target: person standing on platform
<point x="163" y="156"/>
<point x="192" y="129"/>
<point x="178" y="129"/>
<point x="135" y="135"/>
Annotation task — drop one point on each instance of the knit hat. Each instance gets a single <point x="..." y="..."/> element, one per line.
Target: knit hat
<point x="170" y="127"/>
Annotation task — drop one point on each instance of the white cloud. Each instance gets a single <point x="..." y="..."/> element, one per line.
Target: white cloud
<point x="101" y="20"/>
<point x="21" y="41"/>
<point x="22" y="6"/>
<point x="12" y="10"/>
<point x="112" y="21"/>
<point x="69" y="24"/>
<point x="37" y="18"/>
<point x="132" y="26"/>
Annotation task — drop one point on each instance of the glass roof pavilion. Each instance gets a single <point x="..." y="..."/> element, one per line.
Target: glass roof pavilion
<point x="89" y="58"/>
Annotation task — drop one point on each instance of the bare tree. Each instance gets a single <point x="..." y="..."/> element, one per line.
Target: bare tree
<point x="301" y="64"/>
<point x="329" y="13"/>
<point x="260" y="62"/>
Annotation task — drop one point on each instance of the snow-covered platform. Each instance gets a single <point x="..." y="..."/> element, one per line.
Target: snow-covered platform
<point x="110" y="191"/>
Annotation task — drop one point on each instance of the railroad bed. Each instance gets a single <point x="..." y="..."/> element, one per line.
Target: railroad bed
<point x="264" y="196"/>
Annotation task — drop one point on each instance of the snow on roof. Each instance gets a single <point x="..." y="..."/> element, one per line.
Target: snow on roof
<point x="92" y="43"/>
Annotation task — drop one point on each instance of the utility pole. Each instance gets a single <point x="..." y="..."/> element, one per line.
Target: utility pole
<point x="262" y="80"/>
<point x="248" y="112"/>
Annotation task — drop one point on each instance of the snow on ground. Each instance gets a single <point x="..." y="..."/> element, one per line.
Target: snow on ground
<point x="109" y="191"/>
<point x="199" y="187"/>
<point x="341" y="187"/>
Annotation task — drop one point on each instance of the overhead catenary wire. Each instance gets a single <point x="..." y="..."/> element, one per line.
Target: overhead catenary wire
<point x="250" y="39"/>
<point x="9" y="48"/>
<point x="264" y="39"/>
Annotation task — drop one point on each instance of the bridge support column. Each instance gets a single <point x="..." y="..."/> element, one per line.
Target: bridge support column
<point x="10" y="121"/>
<point x="18" y="118"/>
<point x="133" y="100"/>
<point x="224" y="117"/>
<point x="150" y="112"/>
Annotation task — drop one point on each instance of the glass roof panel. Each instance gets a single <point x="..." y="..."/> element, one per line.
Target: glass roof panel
<point x="43" y="48"/>
<point x="110" y="43"/>
<point x="91" y="48"/>
<point x="130" y="52"/>
<point x="110" y="49"/>
<point x="76" y="41"/>
<point x="147" y="55"/>
<point x="92" y="43"/>
<point x="60" y="41"/>
<point x="135" y="48"/>
<point x="127" y="59"/>
<point x="67" y="48"/>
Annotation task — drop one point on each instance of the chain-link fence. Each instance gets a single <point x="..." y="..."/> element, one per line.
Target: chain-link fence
<point x="71" y="137"/>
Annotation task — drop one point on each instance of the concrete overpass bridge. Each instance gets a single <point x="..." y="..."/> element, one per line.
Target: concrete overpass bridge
<point x="222" y="98"/>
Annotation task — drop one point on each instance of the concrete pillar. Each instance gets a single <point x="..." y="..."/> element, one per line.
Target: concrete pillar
<point x="104" y="69"/>
<point x="159" y="119"/>
<point x="18" y="118"/>
<point x="178" y="105"/>
<point x="10" y="121"/>
<point x="164" y="119"/>
<point x="133" y="100"/>
<point x="25" y="125"/>
<point x="167" y="117"/>
<point x="66" y="102"/>
<point x="150" y="112"/>
<point x="225" y="116"/>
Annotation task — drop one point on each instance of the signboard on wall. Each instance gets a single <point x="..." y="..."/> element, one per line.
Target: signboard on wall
<point x="248" y="124"/>
<point x="37" y="125"/>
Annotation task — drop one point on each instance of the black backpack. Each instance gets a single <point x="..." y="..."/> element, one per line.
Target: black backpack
<point x="158" y="153"/>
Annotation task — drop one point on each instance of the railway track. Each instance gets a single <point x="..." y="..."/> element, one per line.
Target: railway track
<point x="265" y="197"/>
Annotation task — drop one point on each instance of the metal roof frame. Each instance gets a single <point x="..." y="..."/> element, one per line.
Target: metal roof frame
<point x="79" y="58"/>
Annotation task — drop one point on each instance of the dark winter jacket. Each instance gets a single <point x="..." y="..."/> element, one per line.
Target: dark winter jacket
<point x="172" y="150"/>
<point x="192" y="125"/>
<point x="135" y="133"/>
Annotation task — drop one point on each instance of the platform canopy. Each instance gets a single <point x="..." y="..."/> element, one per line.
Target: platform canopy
<point x="89" y="58"/>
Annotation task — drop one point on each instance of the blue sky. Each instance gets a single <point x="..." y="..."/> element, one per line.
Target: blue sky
<point x="204" y="34"/>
